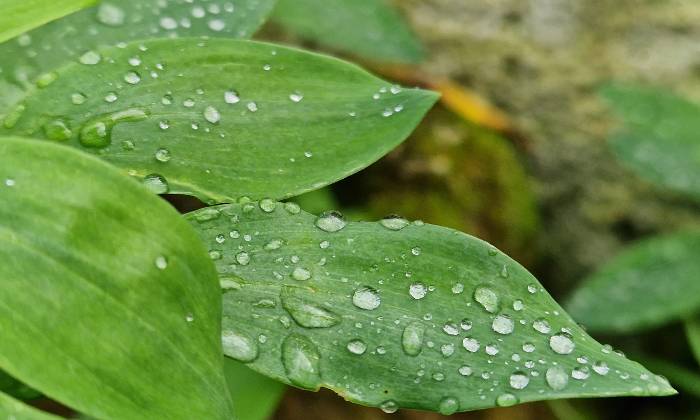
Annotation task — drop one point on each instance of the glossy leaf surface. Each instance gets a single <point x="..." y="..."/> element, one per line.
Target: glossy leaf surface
<point x="397" y="314"/>
<point x="221" y="119"/>
<point x="108" y="304"/>
<point x="22" y="15"/>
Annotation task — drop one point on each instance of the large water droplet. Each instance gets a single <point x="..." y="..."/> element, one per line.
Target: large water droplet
<point x="331" y="221"/>
<point x="304" y="313"/>
<point x="394" y="222"/>
<point x="389" y="406"/>
<point x="212" y="115"/>
<point x="601" y="368"/>
<point x="503" y="324"/>
<point x="357" y="347"/>
<point x="239" y="346"/>
<point x="58" y="130"/>
<point x="301" y="362"/>
<point x="556" y="378"/>
<point x="412" y="338"/>
<point x="156" y="183"/>
<point x="90" y="58"/>
<point x="132" y="77"/>
<point x="541" y="325"/>
<point x="519" y="380"/>
<point x="417" y="291"/>
<point x="471" y="344"/>
<point x="561" y="343"/>
<point x="487" y="298"/>
<point x="110" y="15"/>
<point x="366" y="298"/>
<point x="301" y="274"/>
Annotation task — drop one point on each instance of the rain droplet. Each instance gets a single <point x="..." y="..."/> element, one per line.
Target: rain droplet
<point x="601" y="368"/>
<point x="506" y="400"/>
<point x="252" y="106"/>
<point x="542" y="326"/>
<point x="417" y="291"/>
<point x="503" y="324"/>
<point x="412" y="338"/>
<point x="132" y="78"/>
<point x="301" y="274"/>
<point x="357" y="347"/>
<point x="556" y="378"/>
<point x="394" y="222"/>
<point x="242" y="258"/>
<point x="110" y="15"/>
<point x="163" y="155"/>
<point x="487" y="298"/>
<point x="304" y="313"/>
<point x="561" y="343"/>
<point x="389" y="406"/>
<point x="161" y="262"/>
<point x="448" y="406"/>
<point x="450" y="328"/>
<point x="239" y="346"/>
<point x="156" y="183"/>
<point x="231" y="97"/>
<point x="296" y="97"/>
<point x="331" y="221"/>
<point x="301" y="361"/>
<point x="519" y="380"/>
<point x="212" y="115"/>
<point x="471" y="344"/>
<point x="58" y="130"/>
<point x="416" y="251"/>
<point x="580" y="373"/>
<point x="97" y="133"/>
<point x="78" y="98"/>
<point x="465" y="370"/>
<point x="90" y="58"/>
<point x="267" y="205"/>
<point x="366" y="298"/>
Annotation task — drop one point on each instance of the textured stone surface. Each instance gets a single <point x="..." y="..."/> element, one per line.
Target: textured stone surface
<point x="542" y="61"/>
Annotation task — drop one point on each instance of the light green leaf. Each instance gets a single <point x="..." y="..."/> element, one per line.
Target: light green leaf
<point x="223" y="118"/>
<point x="11" y="408"/>
<point x="649" y="284"/>
<point x="687" y="381"/>
<point x="120" y="21"/>
<point x="408" y="315"/>
<point x="22" y="15"/>
<point x="661" y="137"/>
<point x="108" y="303"/>
<point x="692" y="331"/>
<point x="255" y="396"/>
<point x="368" y="28"/>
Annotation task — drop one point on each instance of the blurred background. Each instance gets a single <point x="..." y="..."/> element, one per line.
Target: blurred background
<point x="517" y="153"/>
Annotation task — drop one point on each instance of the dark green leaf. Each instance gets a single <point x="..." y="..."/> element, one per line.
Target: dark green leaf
<point x="22" y="15"/>
<point x="368" y="28"/>
<point x="692" y="331"/>
<point x="255" y="396"/>
<point x="398" y="314"/>
<point x="11" y="409"/>
<point x="649" y="284"/>
<point x="120" y="21"/>
<point x="661" y="137"/>
<point x="108" y="303"/>
<point x="223" y="118"/>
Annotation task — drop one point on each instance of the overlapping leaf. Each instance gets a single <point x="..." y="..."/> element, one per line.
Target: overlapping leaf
<point x="22" y="15"/>
<point x="11" y="409"/>
<point x="398" y="314"/>
<point x="648" y="284"/>
<point x="661" y="137"/>
<point x="222" y="119"/>
<point x="255" y="396"/>
<point x="116" y="22"/>
<point x="108" y="302"/>
<point x="368" y="28"/>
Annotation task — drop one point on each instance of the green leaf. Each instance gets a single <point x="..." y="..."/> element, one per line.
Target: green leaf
<point x="685" y="379"/>
<point x="661" y="137"/>
<point x="22" y="15"/>
<point x="11" y="408"/>
<point x="108" y="303"/>
<point x="255" y="396"/>
<point x="410" y="315"/>
<point x="649" y="284"/>
<point x="223" y="118"/>
<point x="692" y="331"/>
<point x="367" y="28"/>
<point x="120" y="21"/>
<point x="15" y="388"/>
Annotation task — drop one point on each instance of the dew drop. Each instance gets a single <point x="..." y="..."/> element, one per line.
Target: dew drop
<point x="556" y="378"/>
<point x="471" y="344"/>
<point x="503" y="324"/>
<point x="296" y="97"/>
<point x="304" y="313"/>
<point x="389" y="406"/>
<point x="90" y="58"/>
<point x="161" y="262"/>
<point x="212" y="115"/>
<point x="78" y="98"/>
<point x="542" y="326"/>
<point x="412" y="338"/>
<point x="601" y="368"/>
<point x="301" y="361"/>
<point x="394" y="222"/>
<point x="465" y="370"/>
<point x="366" y="298"/>
<point x="417" y="291"/>
<point x="132" y="78"/>
<point x="239" y="346"/>
<point x="110" y="15"/>
<point x="506" y="400"/>
<point x="581" y="373"/>
<point x="231" y="97"/>
<point x="97" y="133"/>
<point x="448" y="406"/>
<point x="487" y="298"/>
<point x="163" y="155"/>
<point x="156" y="183"/>
<point x="331" y="221"/>
<point x="519" y="380"/>
<point x="243" y="258"/>
<point x="301" y="274"/>
<point x="267" y="205"/>
<point x="357" y="347"/>
<point x="58" y="130"/>
<point x="561" y="343"/>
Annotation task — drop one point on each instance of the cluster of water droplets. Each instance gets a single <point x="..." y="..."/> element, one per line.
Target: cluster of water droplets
<point x="499" y="347"/>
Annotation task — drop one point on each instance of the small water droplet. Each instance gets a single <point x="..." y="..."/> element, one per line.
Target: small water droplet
<point x="252" y="106"/>
<point x="163" y="155"/>
<point x="506" y="400"/>
<point x="78" y="98"/>
<point x="465" y="370"/>
<point x="296" y="97"/>
<point x="304" y="313"/>
<point x="503" y="324"/>
<point x="394" y="222"/>
<point x="90" y="58"/>
<point x="519" y="380"/>
<point x="389" y="406"/>
<point x="132" y="78"/>
<point x="212" y="115"/>
<point x="231" y="97"/>
<point x="301" y="274"/>
<point x="58" y="130"/>
<point x="448" y="406"/>
<point x="542" y="326"/>
<point x="581" y="373"/>
<point x="110" y="15"/>
<point x="267" y="205"/>
<point x="471" y="344"/>
<point x="243" y="258"/>
<point x="161" y="262"/>
<point x="601" y="368"/>
<point x="97" y="133"/>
